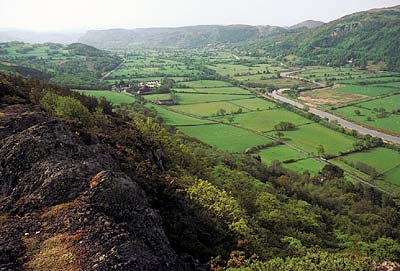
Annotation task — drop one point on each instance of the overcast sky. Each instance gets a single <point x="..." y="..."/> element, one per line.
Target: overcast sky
<point x="55" y="15"/>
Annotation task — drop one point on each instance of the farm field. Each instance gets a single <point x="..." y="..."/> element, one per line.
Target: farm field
<point x="264" y="121"/>
<point x="279" y="153"/>
<point x="338" y="74"/>
<point x="311" y="165"/>
<point x="206" y="84"/>
<point x="217" y="90"/>
<point x="255" y="104"/>
<point x="308" y="137"/>
<point x="176" y="119"/>
<point x="208" y="109"/>
<point x="365" y="90"/>
<point x="186" y="98"/>
<point x="225" y="137"/>
<point x="113" y="97"/>
<point x="385" y="161"/>
<point x="375" y="113"/>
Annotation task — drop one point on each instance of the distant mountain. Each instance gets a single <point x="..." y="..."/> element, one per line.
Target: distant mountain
<point x="307" y="24"/>
<point x="181" y="37"/>
<point x="7" y="35"/>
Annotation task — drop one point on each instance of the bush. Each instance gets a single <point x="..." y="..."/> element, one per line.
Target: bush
<point x="65" y="107"/>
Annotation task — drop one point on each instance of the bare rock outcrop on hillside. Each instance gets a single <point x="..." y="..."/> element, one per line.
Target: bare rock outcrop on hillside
<point x="66" y="205"/>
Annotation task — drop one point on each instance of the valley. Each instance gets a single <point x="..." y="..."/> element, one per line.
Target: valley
<point x="220" y="100"/>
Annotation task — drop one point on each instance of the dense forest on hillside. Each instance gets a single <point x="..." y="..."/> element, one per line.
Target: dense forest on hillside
<point x="360" y="38"/>
<point x="75" y="65"/>
<point x="227" y="210"/>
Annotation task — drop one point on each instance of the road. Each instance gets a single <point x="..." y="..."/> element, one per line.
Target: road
<point x="345" y="123"/>
<point x="110" y="72"/>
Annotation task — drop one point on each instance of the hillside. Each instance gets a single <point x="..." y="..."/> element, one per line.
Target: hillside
<point x="75" y="65"/>
<point x="359" y="38"/>
<point x="182" y="37"/>
<point x="307" y="24"/>
<point x="88" y="187"/>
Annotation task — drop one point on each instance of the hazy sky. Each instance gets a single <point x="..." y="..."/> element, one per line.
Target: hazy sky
<point x="45" y="15"/>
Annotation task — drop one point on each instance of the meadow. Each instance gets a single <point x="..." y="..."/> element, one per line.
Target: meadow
<point x="113" y="97"/>
<point x="225" y="137"/>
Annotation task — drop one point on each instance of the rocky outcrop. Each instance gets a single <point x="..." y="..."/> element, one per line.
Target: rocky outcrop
<point x="66" y="205"/>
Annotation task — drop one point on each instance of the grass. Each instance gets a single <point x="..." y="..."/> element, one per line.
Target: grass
<point x="176" y="119"/>
<point x="186" y="98"/>
<point x="113" y="97"/>
<point x="263" y="121"/>
<point x="308" y="137"/>
<point x="390" y="123"/>
<point x="279" y="153"/>
<point x="206" y="84"/>
<point x="207" y="109"/>
<point x="365" y="90"/>
<point x="155" y="97"/>
<point x="381" y="159"/>
<point x="255" y="104"/>
<point x="311" y="165"/>
<point x="225" y="137"/>
<point x="220" y="90"/>
<point x="385" y="161"/>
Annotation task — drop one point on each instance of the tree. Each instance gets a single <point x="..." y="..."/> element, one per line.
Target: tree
<point x="321" y="150"/>
<point x="284" y="126"/>
<point x="279" y="134"/>
<point x="357" y="112"/>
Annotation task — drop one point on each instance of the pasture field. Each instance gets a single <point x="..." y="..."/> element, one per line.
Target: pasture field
<point x="264" y="121"/>
<point x="176" y="119"/>
<point x="279" y="153"/>
<point x="207" y="109"/>
<point x="388" y="103"/>
<point x="218" y="90"/>
<point x="188" y="98"/>
<point x="308" y="137"/>
<point x="381" y="159"/>
<point x="385" y="161"/>
<point x="392" y="84"/>
<point x="234" y="70"/>
<point x="371" y="81"/>
<point x="206" y="84"/>
<point x="338" y="74"/>
<point x="365" y="90"/>
<point x="155" y="97"/>
<point x="311" y="165"/>
<point x="255" y="104"/>
<point x="370" y="113"/>
<point x="225" y="137"/>
<point x="113" y="97"/>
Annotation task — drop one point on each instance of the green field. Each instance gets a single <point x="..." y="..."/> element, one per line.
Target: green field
<point x="385" y="161"/>
<point x="365" y="90"/>
<point x="113" y="97"/>
<point x="263" y="121"/>
<point x="311" y="165"/>
<point x="220" y="90"/>
<point x="279" y="153"/>
<point x="308" y="137"/>
<point x="207" y="109"/>
<point x="255" y="104"/>
<point x="176" y="119"/>
<point x="155" y="97"/>
<point x="370" y="113"/>
<point x="225" y="137"/>
<point x="206" y="84"/>
<point x="189" y="98"/>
